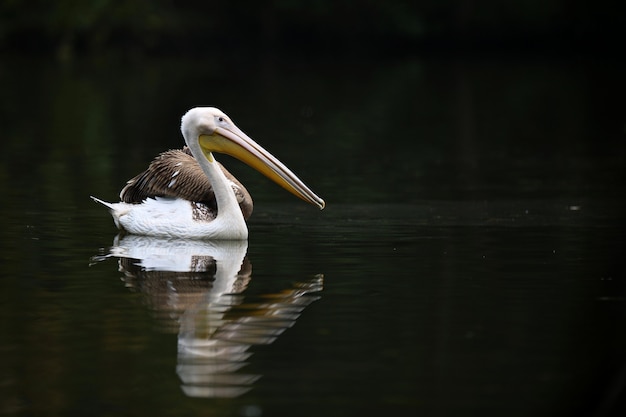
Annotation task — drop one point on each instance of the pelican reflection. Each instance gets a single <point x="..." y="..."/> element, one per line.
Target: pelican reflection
<point x="196" y="288"/>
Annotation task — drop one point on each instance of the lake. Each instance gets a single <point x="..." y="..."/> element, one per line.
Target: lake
<point x="469" y="260"/>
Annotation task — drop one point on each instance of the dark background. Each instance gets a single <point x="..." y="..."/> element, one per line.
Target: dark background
<point x="471" y="154"/>
<point x="365" y="27"/>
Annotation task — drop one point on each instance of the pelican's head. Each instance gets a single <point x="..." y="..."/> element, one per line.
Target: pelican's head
<point x="202" y="121"/>
<point x="213" y="131"/>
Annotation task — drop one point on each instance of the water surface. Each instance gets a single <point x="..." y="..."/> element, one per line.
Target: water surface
<point x="468" y="261"/>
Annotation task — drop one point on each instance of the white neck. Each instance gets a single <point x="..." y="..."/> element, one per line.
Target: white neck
<point x="229" y="216"/>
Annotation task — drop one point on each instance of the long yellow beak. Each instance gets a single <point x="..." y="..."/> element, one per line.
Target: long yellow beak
<point x="235" y="143"/>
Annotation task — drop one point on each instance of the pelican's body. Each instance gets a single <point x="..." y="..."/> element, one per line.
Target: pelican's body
<point x="187" y="194"/>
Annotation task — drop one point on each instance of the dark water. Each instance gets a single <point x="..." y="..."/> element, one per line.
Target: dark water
<point x="469" y="260"/>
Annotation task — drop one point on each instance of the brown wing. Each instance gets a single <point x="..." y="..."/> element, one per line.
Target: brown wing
<point x="176" y="173"/>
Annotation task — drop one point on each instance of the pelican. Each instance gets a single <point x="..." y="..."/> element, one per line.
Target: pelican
<point x="188" y="194"/>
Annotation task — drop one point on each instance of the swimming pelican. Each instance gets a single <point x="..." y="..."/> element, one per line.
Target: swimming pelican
<point x="188" y="194"/>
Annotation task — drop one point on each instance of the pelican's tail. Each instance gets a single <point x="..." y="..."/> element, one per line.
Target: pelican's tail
<point x="117" y="210"/>
<point x="104" y="203"/>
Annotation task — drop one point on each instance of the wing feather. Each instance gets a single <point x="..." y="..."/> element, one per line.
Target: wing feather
<point x="176" y="173"/>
